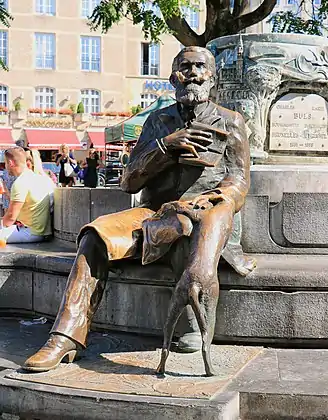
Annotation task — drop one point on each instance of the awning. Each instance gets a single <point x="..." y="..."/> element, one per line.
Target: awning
<point x="98" y="139"/>
<point x="6" y="139"/>
<point x="47" y="139"/>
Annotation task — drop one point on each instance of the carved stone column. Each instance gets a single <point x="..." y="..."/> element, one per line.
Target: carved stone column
<point x="254" y="70"/>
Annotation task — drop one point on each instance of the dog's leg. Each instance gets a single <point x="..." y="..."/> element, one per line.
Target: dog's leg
<point x="177" y="305"/>
<point x="210" y="304"/>
<point x="204" y="305"/>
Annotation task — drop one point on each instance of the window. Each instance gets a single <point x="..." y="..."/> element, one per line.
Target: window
<point x="191" y="16"/>
<point x="45" y="51"/>
<point x="150" y="59"/>
<point x="90" y="53"/>
<point x="44" y="97"/>
<point x="5" y="4"/>
<point x="91" y="100"/>
<point x="4" y="46"/>
<point x="3" y="95"/>
<point x="88" y="6"/>
<point x="147" y="99"/>
<point x="47" y="7"/>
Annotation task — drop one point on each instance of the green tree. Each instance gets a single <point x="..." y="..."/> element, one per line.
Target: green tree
<point x="5" y="19"/>
<point x="223" y="17"/>
<point x="307" y="17"/>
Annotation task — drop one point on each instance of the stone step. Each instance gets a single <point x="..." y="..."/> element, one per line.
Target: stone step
<point x="115" y="380"/>
<point x="284" y="384"/>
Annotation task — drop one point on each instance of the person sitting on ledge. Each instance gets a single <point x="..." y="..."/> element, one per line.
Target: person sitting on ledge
<point x="28" y="217"/>
<point x="192" y="164"/>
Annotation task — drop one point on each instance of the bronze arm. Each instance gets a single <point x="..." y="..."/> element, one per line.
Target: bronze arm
<point x="146" y="160"/>
<point x="236" y="184"/>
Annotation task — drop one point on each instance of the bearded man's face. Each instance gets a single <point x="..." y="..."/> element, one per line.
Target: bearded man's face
<point x="193" y="80"/>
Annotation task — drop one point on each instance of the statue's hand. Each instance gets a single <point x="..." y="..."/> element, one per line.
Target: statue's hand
<point x="206" y="201"/>
<point x="188" y="140"/>
<point x="201" y="202"/>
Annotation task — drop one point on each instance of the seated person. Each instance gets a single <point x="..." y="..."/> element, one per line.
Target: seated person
<point x="28" y="217"/>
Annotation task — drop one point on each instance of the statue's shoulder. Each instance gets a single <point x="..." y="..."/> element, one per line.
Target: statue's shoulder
<point x="170" y="110"/>
<point x="225" y="113"/>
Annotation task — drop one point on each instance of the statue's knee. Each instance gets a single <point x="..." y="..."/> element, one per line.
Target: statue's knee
<point x="90" y="239"/>
<point x="92" y="246"/>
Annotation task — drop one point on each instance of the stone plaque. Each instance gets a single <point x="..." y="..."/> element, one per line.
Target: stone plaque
<point x="299" y="122"/>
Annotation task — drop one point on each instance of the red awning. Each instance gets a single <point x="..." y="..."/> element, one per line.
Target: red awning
<point x="6" y="139"/>
<point x="98" y="139"/>
<point x="47" y="139"/>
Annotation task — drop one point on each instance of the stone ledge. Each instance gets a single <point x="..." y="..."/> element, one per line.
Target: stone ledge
<point x="283" y="299"/>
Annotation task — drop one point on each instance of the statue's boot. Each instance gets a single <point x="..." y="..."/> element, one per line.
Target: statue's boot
<point x="57" y="349"/>
<point x="242" y="263"/>
<point x="191" y="340"/>
<point x="83" y="293"/>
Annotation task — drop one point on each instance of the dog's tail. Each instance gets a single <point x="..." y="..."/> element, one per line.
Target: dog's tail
<point x="196" y="302"/>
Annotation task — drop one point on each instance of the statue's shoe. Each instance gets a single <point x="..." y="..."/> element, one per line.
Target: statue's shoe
<point x="57" y="348"/>
<point x="190" y="342"/>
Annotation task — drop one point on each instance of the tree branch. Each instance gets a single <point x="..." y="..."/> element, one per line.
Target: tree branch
<point x="238" y="7"/>
<point x="256" y="16"/>
<point x="183" y="32"/>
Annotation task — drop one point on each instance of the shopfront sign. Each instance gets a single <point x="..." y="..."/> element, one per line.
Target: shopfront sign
<point x="158" y="85"/>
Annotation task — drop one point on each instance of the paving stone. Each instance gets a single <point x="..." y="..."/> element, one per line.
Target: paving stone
<point x="115" y="380"/>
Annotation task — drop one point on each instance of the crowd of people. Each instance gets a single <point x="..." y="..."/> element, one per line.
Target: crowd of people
<point x="27" y="190"/>
<point x="70" y="169"/>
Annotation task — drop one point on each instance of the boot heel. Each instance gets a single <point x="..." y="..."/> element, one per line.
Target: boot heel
<point x="70" y="356"/>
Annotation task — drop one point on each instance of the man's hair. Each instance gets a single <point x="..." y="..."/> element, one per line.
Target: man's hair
<point x="205" y="51"/>
<point x="16" y="154"/>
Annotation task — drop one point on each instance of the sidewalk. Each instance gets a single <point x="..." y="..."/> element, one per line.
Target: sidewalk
<point x="272" y="383"/>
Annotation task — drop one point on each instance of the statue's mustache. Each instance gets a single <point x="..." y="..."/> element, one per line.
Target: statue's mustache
<point x="198" y="80"/>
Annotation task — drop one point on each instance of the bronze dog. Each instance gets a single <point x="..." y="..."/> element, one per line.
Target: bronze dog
<point x="195" y="289"/>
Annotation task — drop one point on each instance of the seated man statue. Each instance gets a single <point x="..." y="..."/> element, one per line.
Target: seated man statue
<point x="190" y="155"/>
<point x="28" y="217"/>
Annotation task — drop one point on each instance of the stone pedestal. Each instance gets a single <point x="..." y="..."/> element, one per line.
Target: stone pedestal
<point x="75" y="207"/>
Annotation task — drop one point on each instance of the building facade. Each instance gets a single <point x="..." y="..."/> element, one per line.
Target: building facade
<point x="55" y="62"/>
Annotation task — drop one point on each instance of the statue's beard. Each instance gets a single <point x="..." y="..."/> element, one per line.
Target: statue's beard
<point x="193" y="93"/>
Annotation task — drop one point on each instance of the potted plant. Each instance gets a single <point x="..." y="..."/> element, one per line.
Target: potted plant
<point x="17" y="113"/>
<point x="3" y="114"/>
<point x="80" y="116"/>
<point x="50" y="111"/>
<point x="136" y="109"/>
<point x="3" y="110"/>
<point x="97" y="114"/>
<point x="65" y="112"/>
<point x="72" y="107"/>
<point x="125" y="114"/>
<point x="111" y="114"/>
<point x="35" y="111"/>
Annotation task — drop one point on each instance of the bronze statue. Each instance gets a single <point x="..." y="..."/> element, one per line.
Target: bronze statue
<point x="192" y="164"/>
